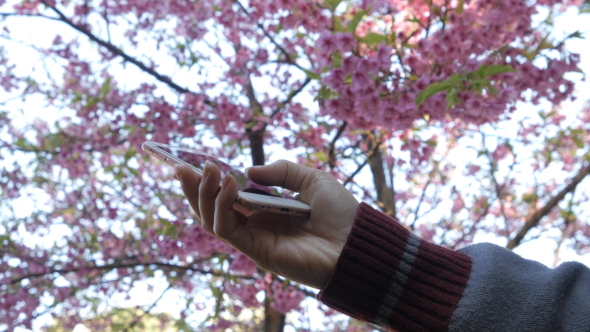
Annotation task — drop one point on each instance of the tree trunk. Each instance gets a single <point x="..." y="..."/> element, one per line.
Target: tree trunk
<point x="256" y="146"/>
<point x="385" y="198"/>
<point x="274" y="321"/>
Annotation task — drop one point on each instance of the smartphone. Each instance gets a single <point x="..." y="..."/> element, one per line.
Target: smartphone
<point x="250" y="195"/>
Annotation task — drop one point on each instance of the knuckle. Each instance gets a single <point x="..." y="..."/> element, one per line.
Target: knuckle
<point x="260" y="262"/>
<point x="283" y="162"/>
<point x="208" y="228"/>
<point x="325" y="176"/>
<point x="218" y="231"/>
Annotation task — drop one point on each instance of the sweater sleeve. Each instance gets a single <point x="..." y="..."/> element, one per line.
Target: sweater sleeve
<point x="387" y="276"/>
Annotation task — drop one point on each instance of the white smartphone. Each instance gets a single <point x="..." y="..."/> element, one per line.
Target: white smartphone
<point x="250" y="195"/>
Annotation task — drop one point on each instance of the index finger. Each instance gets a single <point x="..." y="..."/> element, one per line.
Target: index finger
<point x="189" y="181"/>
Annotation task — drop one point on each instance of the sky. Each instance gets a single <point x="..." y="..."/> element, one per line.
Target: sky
<point x="27" y="30"/>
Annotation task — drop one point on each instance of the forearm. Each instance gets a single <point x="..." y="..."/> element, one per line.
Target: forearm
<point x="387" y="276"/>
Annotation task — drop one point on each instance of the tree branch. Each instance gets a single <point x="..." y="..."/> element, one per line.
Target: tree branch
<point x="273" y="41"/>
<point x="534" y="219"/>
<point x="30" y="15"/>
<point x="146" y="312"/>
<point x="430" y="177"/>
<point x="360" y="167"/>
<point x="122" y="266"/>
<point x="122" y="54"/>
<point x="333" y="143"/>
<point x="292" y="95"/>
<point x="384" y="193"/>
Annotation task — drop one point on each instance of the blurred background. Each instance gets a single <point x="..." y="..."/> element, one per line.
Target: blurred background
<point x="468" y="121"/>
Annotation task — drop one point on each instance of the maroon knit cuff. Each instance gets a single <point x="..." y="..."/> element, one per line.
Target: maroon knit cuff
<point x="388" y="276"/>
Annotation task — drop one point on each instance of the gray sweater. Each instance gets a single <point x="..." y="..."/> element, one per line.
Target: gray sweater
<point x="387" y="276"/>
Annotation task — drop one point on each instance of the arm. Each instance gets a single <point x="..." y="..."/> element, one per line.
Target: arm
<point x="390" y="277"/>
<point x="372" y="268"/>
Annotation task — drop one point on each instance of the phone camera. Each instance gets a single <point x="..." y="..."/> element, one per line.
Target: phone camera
<point x="166" y="159"/>
<point x="263" y="206"/>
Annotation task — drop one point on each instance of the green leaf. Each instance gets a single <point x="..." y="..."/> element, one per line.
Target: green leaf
<point x="130" y="153"/>
<point x="338" y="23"/>
<point x="311" y="74"/>
<point x="169" y="229"/>
<point x="460" y="6"/>
<point x="392" y="37"/>
<point x="324" y="94"/>
<point x="321" y="156"/>
<point x="216" y="292"/>
<point x="413" y="20"/>
<point x="491" y="70"/>
<point x="578" y="141"/>
<point x="432" y="142"/>
<point x="91" y="102"/>
<point x="374" y="39"/>
<point x="78" y="97"/>
<point x="355" y="21"/>
<point x="333" y="4"/>
<point x="455" y="78"/>
<point x="55" y="141"/>
<point x="432" y="89"/>
<point x="492" y="90"/>
<point x="106" y="87"/>
<point x="21" y="143"/>
<point x="337" y="59"/>
<point x="452" y="98"/>
<point x="133" y="171"/>
<point x="576" y="34"/>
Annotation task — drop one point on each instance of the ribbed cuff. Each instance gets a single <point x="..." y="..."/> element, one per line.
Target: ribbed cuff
<point x="388" y="276"/>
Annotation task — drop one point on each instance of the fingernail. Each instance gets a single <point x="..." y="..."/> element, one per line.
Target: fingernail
<point x="226" y="182"/>
<point x="249" y="168"/>
<point x="206" y="169"/>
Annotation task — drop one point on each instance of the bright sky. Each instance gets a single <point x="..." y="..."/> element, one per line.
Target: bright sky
<point x="27" y="30"/>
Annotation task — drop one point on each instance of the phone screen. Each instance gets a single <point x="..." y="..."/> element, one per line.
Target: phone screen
<point x="198" y="159"/>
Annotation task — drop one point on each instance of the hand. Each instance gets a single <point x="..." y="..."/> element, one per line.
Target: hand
<point x="304" y="250"/>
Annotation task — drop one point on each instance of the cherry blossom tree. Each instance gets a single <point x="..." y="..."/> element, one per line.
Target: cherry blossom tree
<point x="413" y="105"/>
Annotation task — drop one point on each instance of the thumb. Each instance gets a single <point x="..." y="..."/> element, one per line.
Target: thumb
<point x="284" y="174"/>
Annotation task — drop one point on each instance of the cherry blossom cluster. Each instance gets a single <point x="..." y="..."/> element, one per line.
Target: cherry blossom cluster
<point x="285" y="299"/>
<point x="376" y="85"/>
<point x="367" y="63"/>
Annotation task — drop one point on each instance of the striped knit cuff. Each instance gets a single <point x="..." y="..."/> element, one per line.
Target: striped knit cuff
<point x="388" y="276"/>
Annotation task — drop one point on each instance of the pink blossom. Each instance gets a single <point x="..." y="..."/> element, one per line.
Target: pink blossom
<point x="346" y="41"/>
<point x="286" y="299"/>
<point x="242" y="264"/>
<point x="126" y="211"/>
<point x="328" y="43"/>
<point x="458" y="204"/>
